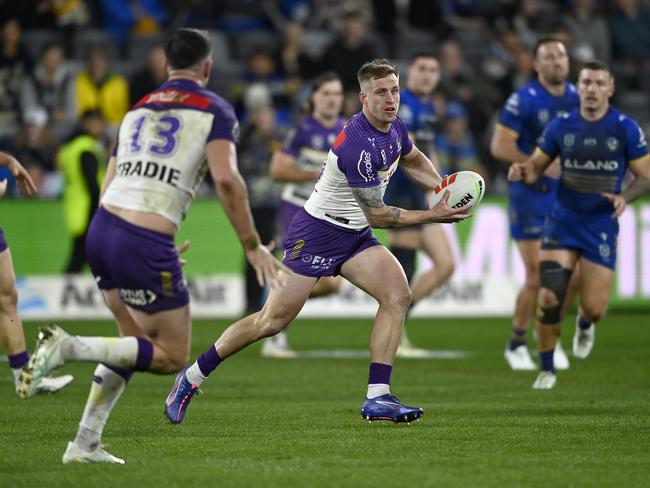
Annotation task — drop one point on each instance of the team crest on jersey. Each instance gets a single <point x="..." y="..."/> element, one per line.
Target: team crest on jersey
<point x="569" y="140"/>
<point x="612" y="143"/>
<point x="330" y="139"/>
<point x="543" y="116"/>
<point x="317" y="142"/>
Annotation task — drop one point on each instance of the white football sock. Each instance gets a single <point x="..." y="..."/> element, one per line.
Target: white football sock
<point x="105" y="390"/>
<point x="16" y="372"/>
<point x="377" y="389"/>
<point x="280" y="339"/>
<point x="120" y="352"/>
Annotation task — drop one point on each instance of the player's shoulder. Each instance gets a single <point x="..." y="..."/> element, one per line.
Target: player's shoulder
<point x="615" y="116"/>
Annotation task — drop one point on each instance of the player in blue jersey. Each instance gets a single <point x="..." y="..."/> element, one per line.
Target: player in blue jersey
<point x="298" y="164"/>
<point x="596" y="145"/>
<point x="521" y="121"/>
<point x="332" y="236"/>
<point x="158" y="162"/>
<point x="417" y="113"/>
<point x="12" y="336"/>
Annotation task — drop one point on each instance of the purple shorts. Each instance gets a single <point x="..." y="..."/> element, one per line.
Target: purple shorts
<point x="287" y="211"/>
<point x="3" y="243"/>
<point x="142" y="264"/>
<point x="316" y="248"/>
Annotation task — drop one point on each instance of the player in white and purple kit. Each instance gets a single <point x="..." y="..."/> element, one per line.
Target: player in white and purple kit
<point x="332" y="236"/>
<point x="596" y="145"/>
<point x="12" y="336"/>
<point x="521" y="122"/>
<point x="158" y="162"/>
<point x="298" y="164"/>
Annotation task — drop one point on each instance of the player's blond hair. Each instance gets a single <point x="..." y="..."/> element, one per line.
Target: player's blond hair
<point x="375" y="69"/>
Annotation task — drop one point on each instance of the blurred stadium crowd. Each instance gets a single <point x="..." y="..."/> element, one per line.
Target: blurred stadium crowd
<point x="63" y="59"/>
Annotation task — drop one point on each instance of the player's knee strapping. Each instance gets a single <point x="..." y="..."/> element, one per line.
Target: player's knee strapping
<point x="554" y="278"/>
<point x="406" y="258"/>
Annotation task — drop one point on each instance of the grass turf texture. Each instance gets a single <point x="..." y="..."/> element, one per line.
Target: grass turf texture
<point x="265" y="422"/>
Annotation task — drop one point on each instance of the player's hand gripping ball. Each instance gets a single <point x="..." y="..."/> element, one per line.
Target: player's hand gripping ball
<point x="466" y="189"/>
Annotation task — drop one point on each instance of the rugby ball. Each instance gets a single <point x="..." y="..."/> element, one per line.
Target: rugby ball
<point x="466" y="189"/>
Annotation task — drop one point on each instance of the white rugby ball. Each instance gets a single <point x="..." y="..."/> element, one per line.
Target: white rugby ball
<point x="466" y="189"/>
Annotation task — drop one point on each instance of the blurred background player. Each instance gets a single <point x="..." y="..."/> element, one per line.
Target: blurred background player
<point x="418" y="114"/>
<point x="299" y="164"/>
<point x="521" y="121"/>
<point x="12" y="336"/>
<point x="332" y="235"/>
<point x="596" y="145"/>
<point x="152" y="177"/>
<point x="82" y="161"/>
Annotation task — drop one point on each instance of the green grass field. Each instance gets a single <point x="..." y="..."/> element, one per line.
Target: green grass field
<point x="291" y="423"/>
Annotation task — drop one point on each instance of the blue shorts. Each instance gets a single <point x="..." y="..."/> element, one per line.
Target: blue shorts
<point x="593" y="236"/>
<point x="529" y="206"/>
<point x="404" y="193"/>
<point x="142" y="264"/>
<point x="3" y="242"/>
<point x="316" y="248"/>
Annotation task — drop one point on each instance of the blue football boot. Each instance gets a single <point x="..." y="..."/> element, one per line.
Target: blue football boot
<point x="179" y="398"/>
<point x="388" y="407"/>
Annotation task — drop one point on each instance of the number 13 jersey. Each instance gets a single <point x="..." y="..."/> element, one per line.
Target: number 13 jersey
<point x="160" y="148"/>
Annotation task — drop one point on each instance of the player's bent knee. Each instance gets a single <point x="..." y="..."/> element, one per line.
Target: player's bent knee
<point x="447" y="269"/>
<point x="594" y="311"/>
<point x="398" y="299"/>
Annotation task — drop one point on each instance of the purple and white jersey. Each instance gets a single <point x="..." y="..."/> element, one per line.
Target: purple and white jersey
<point x="361" y="157"/>
<point x="160" y="149"/>
<point x="308" y="143"/>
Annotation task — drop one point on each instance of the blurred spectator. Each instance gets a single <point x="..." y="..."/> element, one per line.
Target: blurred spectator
<point x="82" y="161"/>
<point x="50" y="88"/>
<point x="460" y="82"/>
<point x="240" y="15"/>
<point x="96" y="87"/>
<point x="294" y="62"/>
<point x="629" y="25"/>
<point x="260" y="137"/>
<point x="150" y="76"/>
<point x="428" y="16"/>
<point x="67" y="17"/>
<point x="350" y="50"/>
<point x="35" y="146"/>
<point x="455" y="144"/>
<point x="589" y="30"/>
<point x="124" y="17"/>
<point x="534" y="18"/>
<point x="262" y="69"/>
<point x="15" y="65"/>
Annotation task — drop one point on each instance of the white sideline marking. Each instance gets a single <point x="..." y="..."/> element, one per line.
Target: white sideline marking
<point x="351" y="353"/>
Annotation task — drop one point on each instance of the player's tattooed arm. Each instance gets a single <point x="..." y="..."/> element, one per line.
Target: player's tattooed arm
<point x="379" y="215"/>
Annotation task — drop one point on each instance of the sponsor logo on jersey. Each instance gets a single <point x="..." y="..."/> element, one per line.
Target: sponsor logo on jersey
<point x="317" y="262"/>
<point x="612" y="143"/>
<point x="590" y="142"/>
<point x="364" y="166"/>
<point x="611" y="165"/>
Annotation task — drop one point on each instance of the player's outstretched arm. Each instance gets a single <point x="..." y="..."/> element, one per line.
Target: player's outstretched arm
<point x="640" y="186"/>
<point x="284" y="169"/>
<point x="420" y="169"/>
<point x="222" y="160"/>
<point x="382" y="216"/>
<point x="25" y="182"/>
